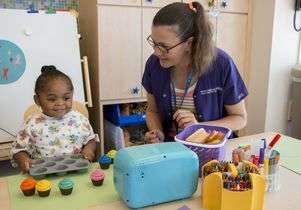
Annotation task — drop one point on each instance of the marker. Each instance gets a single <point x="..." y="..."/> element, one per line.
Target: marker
<point x="266" y="166"/>
<point x="264" y="143"/>
<point x="50" y="10"/>
<point x="32" y="9"/>
<point x="274" y="141"/>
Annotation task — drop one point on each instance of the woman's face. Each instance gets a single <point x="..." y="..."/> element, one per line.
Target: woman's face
<point x="164" y="37"/>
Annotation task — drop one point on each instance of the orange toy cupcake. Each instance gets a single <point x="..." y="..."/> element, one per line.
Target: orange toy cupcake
<point x="28" y="186"/>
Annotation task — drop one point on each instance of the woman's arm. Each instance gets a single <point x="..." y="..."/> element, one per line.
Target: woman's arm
<point x="236" y="119"/>
<point x="153" y="121"/>
<point x="152" y="116"/>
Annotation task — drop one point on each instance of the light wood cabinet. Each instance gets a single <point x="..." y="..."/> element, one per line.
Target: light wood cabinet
<point x="147" y="50"/>
<point x="157" y="3"/>
<point x="119" y="52"/>
<point x="114" y="36"/>
<point x="234" y="6"/>
<point x="119" y="2"/>
<point x="231" y="29"/>
<point x="232" y="37"/>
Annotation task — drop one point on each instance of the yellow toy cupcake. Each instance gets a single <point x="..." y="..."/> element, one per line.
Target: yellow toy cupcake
<point x="112" y="154"/>
<point x="43" y="187"/>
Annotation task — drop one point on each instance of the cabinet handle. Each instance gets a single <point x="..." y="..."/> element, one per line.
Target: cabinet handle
<point x="87" y="81"/>
<point x="135" y="90"/>
<point x="225" y="3"/>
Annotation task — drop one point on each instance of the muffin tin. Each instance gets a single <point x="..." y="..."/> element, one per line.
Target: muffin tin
<point x="58" y="165"/>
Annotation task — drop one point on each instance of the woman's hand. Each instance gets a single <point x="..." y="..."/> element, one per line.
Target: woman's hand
<point x="154" y="136"/>
<point x="184" y="118"/>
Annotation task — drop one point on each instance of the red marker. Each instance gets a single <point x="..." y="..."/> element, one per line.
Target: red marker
<point x="274" y="141"/>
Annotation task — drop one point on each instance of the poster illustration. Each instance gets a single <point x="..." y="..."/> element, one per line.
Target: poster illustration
<point x="12" y="62"/>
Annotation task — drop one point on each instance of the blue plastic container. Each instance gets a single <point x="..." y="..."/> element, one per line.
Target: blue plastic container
<point x="155" y="173"/>
<point x="113" y="114"/>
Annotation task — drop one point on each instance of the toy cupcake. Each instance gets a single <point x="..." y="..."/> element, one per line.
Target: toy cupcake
<point x="66" y="186"/>
<point x="97" y="177"/>
<point x="104" y="162"/>
<point x="43" y="187"/>
<point x="28" y="186"/>
<point x="112" y="154"/>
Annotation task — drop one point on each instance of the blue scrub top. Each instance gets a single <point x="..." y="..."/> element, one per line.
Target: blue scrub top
<point x="221" y="85"/>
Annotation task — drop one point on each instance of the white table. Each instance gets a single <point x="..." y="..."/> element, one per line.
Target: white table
<point x="288" y="198"/>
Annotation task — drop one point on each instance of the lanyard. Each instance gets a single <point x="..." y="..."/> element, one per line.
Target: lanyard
<point x="174" y="96"/>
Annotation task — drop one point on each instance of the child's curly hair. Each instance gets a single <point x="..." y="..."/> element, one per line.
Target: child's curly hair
<point x="48" y="74"/>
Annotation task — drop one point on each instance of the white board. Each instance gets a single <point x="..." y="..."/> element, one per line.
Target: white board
<point x="45" y="39"/>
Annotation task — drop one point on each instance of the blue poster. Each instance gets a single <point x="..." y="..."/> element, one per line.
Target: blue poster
<point x="12" y="62"/>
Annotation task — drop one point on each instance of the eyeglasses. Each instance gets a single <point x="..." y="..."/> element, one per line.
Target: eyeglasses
<point x="162" y="49"/>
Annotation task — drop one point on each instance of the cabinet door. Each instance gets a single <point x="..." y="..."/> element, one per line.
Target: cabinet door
<point x="120" y="52"/>
<point x="213" y="21"/>
<point x="157" y="3"/>
<point x="120" y="2"/>
<point x="239" y="6"/>
<point x="148" y="15"/>
<point x="232" y="37"/>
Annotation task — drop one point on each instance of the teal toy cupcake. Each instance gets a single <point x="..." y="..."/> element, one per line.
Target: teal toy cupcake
<point x="66" y="186"/>
<point x="104" y="162"/>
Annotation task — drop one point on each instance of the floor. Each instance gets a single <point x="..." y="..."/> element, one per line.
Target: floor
<point x="6" y="168"/>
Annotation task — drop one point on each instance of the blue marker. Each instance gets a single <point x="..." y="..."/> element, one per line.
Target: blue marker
<point x="32" y="9"/>
<point x="264" y="143"/>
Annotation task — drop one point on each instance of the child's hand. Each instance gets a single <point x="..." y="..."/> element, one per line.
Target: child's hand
<point x="88" y="154"/>
<point x="24" y="161"/>
<point x="89" y="150"/>
<point x="25" y="166"/>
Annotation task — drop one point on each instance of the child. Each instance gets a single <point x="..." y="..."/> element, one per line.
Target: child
<point x="58" y="130"/>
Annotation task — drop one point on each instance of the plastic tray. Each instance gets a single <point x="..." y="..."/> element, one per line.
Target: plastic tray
<point x="58" y="165"/>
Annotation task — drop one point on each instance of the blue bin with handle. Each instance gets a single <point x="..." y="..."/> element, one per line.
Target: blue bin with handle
<point x="155" y="173"/>
<point x="113" y="114"/>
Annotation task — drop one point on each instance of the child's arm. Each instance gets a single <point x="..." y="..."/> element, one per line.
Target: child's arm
<point x="21" y="148"/>
<point x="23" y="160"/>
<point x="89" y="150"/>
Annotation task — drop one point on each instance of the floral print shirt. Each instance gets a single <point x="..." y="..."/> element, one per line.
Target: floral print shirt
<point x="44" y="136"/>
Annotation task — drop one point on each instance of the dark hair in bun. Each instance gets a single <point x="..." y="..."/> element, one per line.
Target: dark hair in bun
<point x="48" y="74"/>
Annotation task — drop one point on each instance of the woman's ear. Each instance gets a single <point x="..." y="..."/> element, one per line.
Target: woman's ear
<point x="36" y="100"/>
<point x="189" y="43"/>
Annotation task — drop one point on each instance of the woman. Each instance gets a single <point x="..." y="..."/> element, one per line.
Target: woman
<point x="187" y="79"/>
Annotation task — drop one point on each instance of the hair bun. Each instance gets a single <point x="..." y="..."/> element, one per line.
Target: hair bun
<point x="45" y="69"/>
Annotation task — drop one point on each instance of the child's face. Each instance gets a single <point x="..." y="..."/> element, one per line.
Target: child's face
<point x="55" y="99"/>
